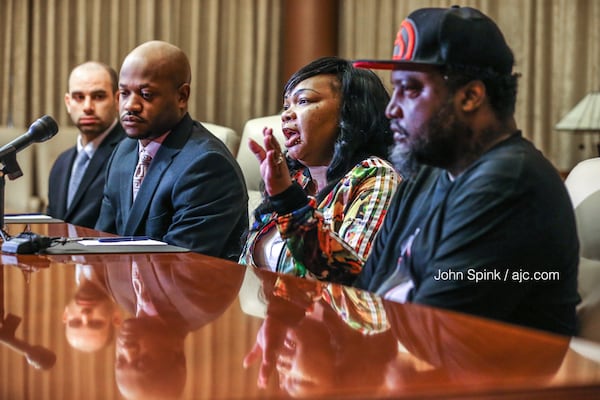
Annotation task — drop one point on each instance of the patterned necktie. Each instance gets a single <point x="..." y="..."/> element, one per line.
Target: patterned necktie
<point x="143" y="300"/>
<point x="76" y="174"/>
<point x="140" y="172"/>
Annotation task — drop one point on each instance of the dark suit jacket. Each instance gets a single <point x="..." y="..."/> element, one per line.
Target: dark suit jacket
<point x="193" y="195"/>
<point x="85" y="207"/>
<point x="186" y="294"/>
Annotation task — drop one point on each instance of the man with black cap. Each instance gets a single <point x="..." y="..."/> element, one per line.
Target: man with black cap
<point x="483" y="223"/>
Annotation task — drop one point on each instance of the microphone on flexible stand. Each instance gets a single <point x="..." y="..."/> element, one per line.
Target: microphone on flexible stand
<point x="40" y="131"/>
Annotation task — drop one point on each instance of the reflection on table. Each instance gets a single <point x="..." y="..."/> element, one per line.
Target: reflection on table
<point x="184" y="325"/>
<point x="165" y="302"/>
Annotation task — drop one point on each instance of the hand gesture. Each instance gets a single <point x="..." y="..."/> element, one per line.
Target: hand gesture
<point x="273" y="169"/>
<point x="269" y="341"/>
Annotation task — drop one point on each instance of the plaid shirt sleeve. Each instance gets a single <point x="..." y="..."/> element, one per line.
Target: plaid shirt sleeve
<point x="331" y="241"/>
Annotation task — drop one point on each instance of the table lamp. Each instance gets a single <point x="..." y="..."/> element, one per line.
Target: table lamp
<point x="585" y="116"/>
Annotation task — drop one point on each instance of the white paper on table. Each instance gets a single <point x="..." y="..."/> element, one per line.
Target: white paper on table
<point x="24" y="218"/>
<point x="145" y="242"/>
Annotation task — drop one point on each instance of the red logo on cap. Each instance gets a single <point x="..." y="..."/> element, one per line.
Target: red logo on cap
<point x="404" y="46"/>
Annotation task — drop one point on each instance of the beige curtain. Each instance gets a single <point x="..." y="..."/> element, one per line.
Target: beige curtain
<point x="557" y="50"/>
<point x="235" y="48"/>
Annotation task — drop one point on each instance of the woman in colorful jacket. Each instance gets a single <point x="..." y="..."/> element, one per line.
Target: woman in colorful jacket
<point x="330" y="190"/>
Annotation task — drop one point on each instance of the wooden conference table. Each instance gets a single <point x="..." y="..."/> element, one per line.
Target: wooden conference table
<point x="322" y="341"/>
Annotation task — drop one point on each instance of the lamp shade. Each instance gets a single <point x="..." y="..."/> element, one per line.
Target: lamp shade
<point x="585" y="116"/>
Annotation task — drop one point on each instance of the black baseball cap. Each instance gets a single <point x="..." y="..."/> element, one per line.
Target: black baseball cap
<point x="455" y="36"/>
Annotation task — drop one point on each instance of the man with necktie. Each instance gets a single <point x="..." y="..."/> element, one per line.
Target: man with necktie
<point x="171" y="180"/>
<point x="76" y="179"/>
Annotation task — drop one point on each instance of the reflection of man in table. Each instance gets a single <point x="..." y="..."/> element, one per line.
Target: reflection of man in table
<point x="460" y="349"/>
<point x="150" y="361"/>
<point x="91" y="316"/>
<point x="329" y="339"/>
<point x="167" y="299"/>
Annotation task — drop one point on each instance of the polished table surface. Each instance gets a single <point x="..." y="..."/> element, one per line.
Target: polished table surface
<point x="200" y="337"/>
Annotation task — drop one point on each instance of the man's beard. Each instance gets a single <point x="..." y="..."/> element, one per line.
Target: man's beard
<point x="438" y="143"/>
<point x="404" y="161"/>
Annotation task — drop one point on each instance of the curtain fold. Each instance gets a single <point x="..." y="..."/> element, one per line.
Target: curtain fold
<point x="233" y="46"/>
<point x="235" y="49"/>
<point x="556" y="50"/>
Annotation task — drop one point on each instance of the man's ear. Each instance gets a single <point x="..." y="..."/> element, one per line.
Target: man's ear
<point x="473" y="96"/>
<point x="117" y="317"/>
<point x="68" y="102"/>
<point x="184" y="93"/>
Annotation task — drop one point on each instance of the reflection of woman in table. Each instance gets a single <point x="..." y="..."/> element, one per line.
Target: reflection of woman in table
<point x="310" y="337"/>
<point x="323" y="338"/>
<point x="315" y="358"/>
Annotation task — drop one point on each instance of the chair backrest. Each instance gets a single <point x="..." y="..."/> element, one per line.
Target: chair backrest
<point x="246" y="159"/>
<point x="583" y="184"/>
<point x="227" y="136"/>
<point x="18" y="193"/>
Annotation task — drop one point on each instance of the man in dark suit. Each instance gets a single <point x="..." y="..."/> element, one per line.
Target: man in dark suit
<point x="92" y="104"/>
<point x="171" y="180"/>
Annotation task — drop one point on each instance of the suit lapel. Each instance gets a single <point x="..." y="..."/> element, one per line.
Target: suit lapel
<point x="140" y="206"/>
<point x="95" y="166"/>
<point x="125" y="177"/>
<point x="159" y="165"/>
<point x="62" y="188"/>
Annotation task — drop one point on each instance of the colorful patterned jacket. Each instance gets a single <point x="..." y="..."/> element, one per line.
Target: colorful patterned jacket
<point x="319" y="238"/>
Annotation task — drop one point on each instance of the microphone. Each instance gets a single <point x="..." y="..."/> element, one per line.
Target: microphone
<point x="37" y="356"/>
<point x="40" y="131"/>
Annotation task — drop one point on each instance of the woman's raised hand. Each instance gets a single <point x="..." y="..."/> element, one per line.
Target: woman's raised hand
<point x="273" y="168"/>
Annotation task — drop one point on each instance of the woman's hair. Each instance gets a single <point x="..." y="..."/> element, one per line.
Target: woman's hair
<point x="364" y="129"/>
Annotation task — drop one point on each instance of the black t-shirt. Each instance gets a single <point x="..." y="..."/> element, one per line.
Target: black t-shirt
<point x="499" y="241"/>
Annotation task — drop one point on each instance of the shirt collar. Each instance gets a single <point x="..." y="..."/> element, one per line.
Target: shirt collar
<point x="91" y="147"/>
<point x="152" y="147"/>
